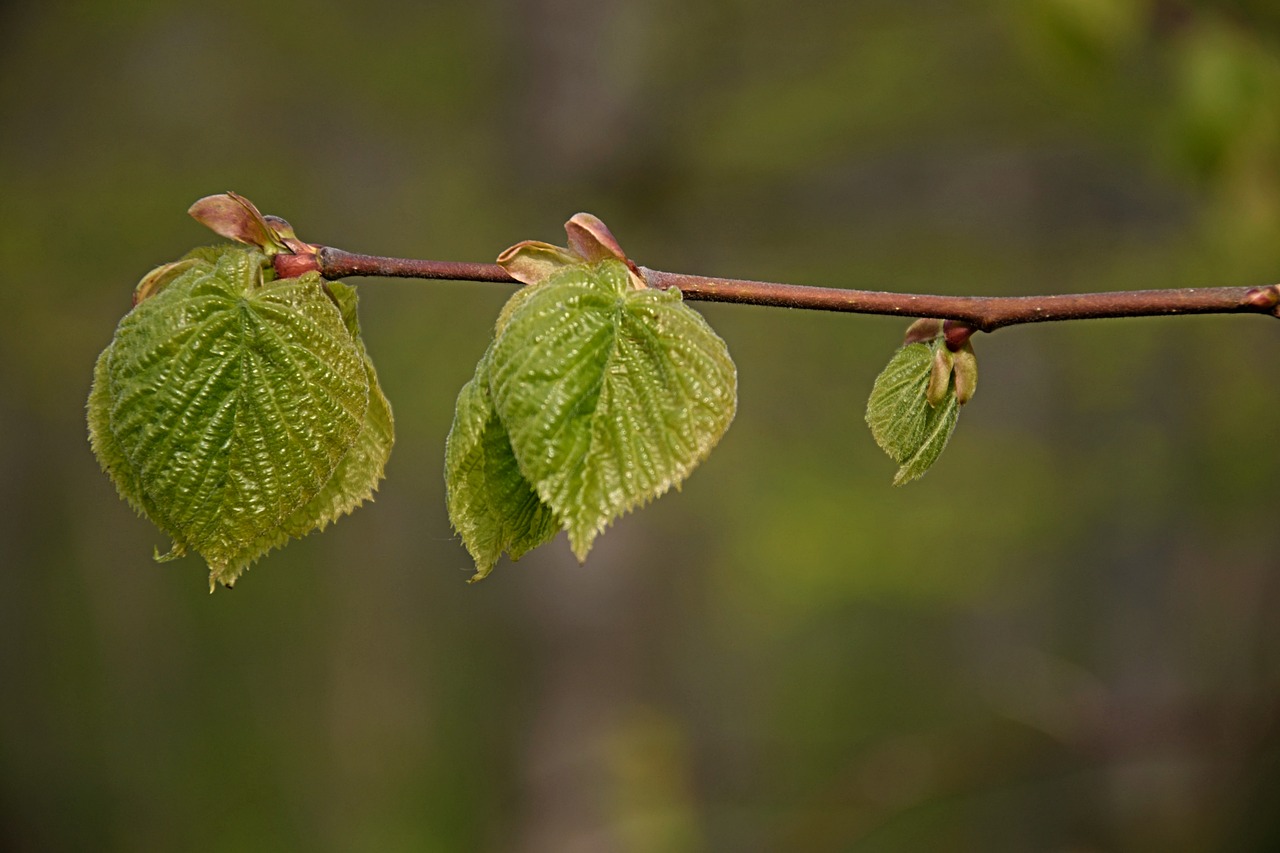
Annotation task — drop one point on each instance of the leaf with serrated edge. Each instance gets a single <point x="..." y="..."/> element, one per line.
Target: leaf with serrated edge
<point x="903" y="423"/>
<point x="610" y="395"/>
<point x="491" y="505"/>
<point x="108" y="451"/>
<point x="232" y="402"/>
<point x="357" y="476"/>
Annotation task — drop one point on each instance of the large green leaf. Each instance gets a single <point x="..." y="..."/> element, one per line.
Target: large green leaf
<point x="226" y="402"/>
<point x="610" y="395"/>
<point x="491" y="505"/>
<point x="903" y="422"/>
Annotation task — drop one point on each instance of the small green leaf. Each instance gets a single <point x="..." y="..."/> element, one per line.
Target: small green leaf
<point x="234" y="410"/>
<point x="904" y="424"/>
<point x="610" y="394"/>
<point x="491" y="505"/>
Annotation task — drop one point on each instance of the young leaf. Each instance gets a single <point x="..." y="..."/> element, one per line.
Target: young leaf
<point x="610" y="394"/>
<point x="109" y="453"/>
<point x="491" y="505"/>
<point x="226" y="402"/>
<point x="903" y="422"/>
<point x="357" y="476"/>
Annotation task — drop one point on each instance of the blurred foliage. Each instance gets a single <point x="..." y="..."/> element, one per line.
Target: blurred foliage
<point x="1061" y="638"/>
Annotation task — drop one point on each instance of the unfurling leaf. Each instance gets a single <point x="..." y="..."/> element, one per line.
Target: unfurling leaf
<point x="597" y="395"/>
<point x="904" y="423"/>
<point x="492" y="506"/>
<point x="236" y="411"/>
<point x="610" y="395"/>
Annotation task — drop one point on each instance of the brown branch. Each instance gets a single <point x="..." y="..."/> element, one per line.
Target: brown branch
<point x="985" y="313"/>
<point x="335" y="263"/>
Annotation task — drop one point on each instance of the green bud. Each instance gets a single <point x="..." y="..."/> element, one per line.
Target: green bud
<point x="966" y="373"/>
<point x="939" y="376"/>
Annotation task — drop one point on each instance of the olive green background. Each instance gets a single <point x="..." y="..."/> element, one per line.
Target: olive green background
<point x="1062" y="639"/>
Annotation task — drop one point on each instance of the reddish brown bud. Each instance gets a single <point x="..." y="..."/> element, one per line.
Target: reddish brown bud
<point x="592" y="240"/>
<point x="1265" y="298"/>
<point x="957" y="333"/>
<point x="292" y="266"/>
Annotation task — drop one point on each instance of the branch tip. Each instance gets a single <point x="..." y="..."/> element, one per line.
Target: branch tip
<point x="1267" y="298"/>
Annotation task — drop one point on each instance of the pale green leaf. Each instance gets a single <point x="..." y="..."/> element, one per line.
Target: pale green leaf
<point x="230" y="401"/>
<point x="491" y="505"/>
<point x="358" y="474"/>
<point x="903" y="423"/>
<point x="108" y="451"/>
<point x="610" y="395"/>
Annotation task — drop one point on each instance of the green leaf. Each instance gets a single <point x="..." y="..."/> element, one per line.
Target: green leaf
<point x="491" y="505"/>
<point x="903" y="423"/>
<point x="357" y="476"/>
<point x="226" y="403"/>
<point x="110" y="455"/>
<point x="610" y="394"/>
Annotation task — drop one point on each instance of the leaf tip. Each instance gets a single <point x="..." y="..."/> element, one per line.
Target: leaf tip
<point x="580" y="542"/>
<point x="905" y="475"/>
<point x="173" y="553"/>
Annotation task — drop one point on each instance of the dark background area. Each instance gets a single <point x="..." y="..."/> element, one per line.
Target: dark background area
<point x="1061" y="639"/>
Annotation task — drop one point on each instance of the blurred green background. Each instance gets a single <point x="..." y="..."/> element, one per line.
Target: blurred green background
<point x="1062" y="639"/>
